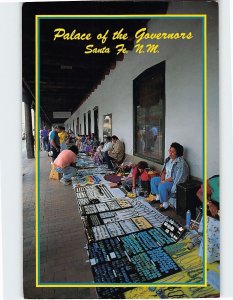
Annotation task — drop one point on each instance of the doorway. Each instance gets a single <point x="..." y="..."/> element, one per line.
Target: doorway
<point x="84" y="119"/>
<point x="89" y="122"/>
<point x="77" y="127"/>
<point x="96" y="121"/>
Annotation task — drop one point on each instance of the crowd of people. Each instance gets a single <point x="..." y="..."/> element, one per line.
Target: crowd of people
<point x="112" y="152"/>
<point x="58" y="142"/>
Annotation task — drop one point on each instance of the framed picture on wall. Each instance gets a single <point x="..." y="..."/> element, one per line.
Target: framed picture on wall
<point x="107" y="125"/>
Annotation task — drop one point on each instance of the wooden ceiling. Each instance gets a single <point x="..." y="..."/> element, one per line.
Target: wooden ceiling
<point x="68" y="76"/>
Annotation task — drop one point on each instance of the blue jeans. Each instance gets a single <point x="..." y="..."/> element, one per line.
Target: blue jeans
<point x="63" y="146"/>
<point x="161" y="189"/>
<point x="45" y="142"/>
<point x="67" y="172"/>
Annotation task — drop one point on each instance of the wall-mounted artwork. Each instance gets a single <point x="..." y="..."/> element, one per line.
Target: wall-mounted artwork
<point x="107" y="125"/>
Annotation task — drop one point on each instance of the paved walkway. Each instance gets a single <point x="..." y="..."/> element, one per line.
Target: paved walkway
<point x="63" y="257"/>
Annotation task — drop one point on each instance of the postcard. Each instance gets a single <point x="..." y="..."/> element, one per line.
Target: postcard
<point x="129" y="89"/>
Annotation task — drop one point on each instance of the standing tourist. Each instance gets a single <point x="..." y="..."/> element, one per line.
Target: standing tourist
<point x="54" y="142"/>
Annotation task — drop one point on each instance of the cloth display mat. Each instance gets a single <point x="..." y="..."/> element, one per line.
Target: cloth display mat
<point x="113" y="178"/>
<point x="84" y="163"/>
<point x="80" y="180"/>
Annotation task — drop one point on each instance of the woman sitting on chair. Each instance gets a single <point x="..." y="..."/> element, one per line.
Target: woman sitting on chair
<point x="175" y="170"/>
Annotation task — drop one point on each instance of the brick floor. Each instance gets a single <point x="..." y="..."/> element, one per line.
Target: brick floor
<point x="62" y="239"/>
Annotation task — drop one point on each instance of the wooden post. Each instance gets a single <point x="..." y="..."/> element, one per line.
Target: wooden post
<point x="28" y="130"/>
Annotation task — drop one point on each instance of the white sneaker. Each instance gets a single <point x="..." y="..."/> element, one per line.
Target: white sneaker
<point x="157" y="197"/>
<point x="165" y="205"/>
<point x="64" y="181"/>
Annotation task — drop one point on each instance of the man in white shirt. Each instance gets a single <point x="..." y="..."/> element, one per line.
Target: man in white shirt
<point x="107" y="145"/>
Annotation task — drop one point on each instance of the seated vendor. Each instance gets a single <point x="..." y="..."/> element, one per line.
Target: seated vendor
<point x="213" y="238"/>
<point x="139" y="177"/>
<point x="212" y="195"/>
<point x="107" y="146"/>
<point x="115" y="154"/>
<point x="65" y="164"/>
<point x="175" y="170"/>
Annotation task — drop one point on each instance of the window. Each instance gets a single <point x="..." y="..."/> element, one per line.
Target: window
<point x="89" y="122"/>
<point x="96" y="121"/>
<point x="149" y="113"/>
<point x="84" y="123"/>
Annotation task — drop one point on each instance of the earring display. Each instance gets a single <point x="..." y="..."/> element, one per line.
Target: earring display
<point x="117" y="271"/>
<point x="173" y="229"/>
<point x="154" y="265"/>
<point x="97" y="253"/>
<point x="141" y="223"/>
<point x="102" y="207"/>
<point x="90" y="209"/>
<point x="114" y="247"/>
<point x="126" y="271"/>
<point x="106" y="250"/>
<point x="131" y="245"/>
<point x="98" y="191"/>
<point x="100" y="232"/>
<point x="93" y="220"/>
<point x="82" y="197"/>
<point x="113" y="205"/>
<point x="104" y="273"/>
<point x="108" y="214"/>
<point x="115" y="229"/>
<point x="128" y="226"/>
<point x="139" y="242"/>
<point x="145" y="209"/>
<point x="124" y="203"/>
<point x="83" y="201"/>
<point x="160" y="236"/>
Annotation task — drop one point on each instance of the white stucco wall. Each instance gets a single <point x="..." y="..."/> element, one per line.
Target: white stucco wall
<point x="183" y="91"/>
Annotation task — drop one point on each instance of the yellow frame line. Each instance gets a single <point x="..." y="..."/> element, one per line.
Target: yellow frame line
<point x="37" y="149"/>
<point x="118" y="285"/>
<point x="119" y="16"/>
<point x="205" y="148"/>
<point x="37" y="17"/>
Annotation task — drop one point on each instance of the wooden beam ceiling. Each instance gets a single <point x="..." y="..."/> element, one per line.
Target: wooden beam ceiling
<point x="67" y="75"/>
